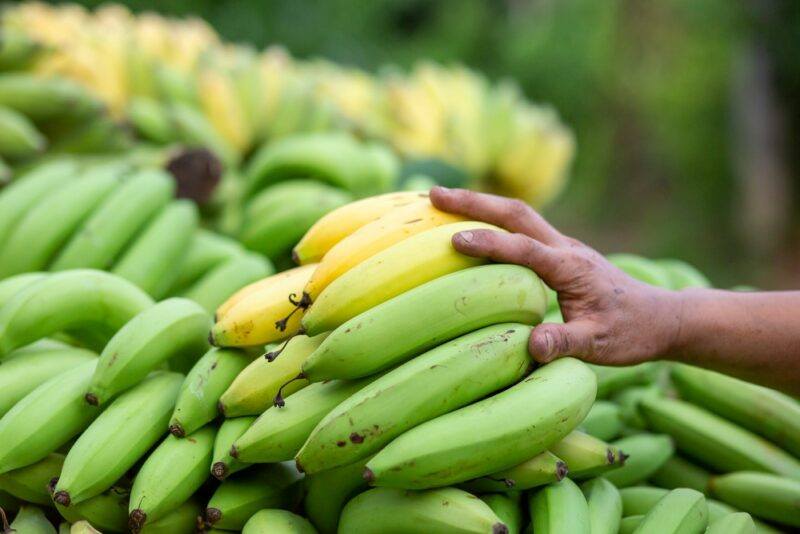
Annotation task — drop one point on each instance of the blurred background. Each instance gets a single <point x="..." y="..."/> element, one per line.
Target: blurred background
<point x="685" y="112"/>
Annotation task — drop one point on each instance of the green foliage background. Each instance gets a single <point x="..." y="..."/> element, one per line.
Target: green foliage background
<point x="652" y="89"/>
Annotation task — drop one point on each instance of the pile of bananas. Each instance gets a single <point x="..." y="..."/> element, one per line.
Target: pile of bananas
<point x="176" y="81"/>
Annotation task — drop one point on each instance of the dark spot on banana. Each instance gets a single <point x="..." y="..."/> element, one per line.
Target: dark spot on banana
<point x="356" y="438"/>
<point x="341" y="443"/>
<point x="62" y="498"/>
<point x="213" y="515"/>
<point x="368" y="475"/>
<point x="176" y="430"/>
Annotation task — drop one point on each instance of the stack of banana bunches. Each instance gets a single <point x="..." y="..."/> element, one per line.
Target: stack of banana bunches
<point x="383" y="386"/>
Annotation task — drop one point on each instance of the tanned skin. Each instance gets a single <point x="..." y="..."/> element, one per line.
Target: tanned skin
<point x="613" y="319"/>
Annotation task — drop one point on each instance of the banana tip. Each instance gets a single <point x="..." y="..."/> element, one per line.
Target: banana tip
<point x="219" y="470"/>
<point x="561" y="470"/>
<point x="368" y="475"/>
<point x="295" y="257"/>
<point x="211" y="340"/>
<point x="51" y="486"/>
<point x="221" y="408"/>
<point x="92" y="399"/>
<point x="622" y="457"/>
<point x="213" y="515"/>
<point x="62" y="498"/>
<point x="136" y="520"/>
<point x="298" y="466"/>
<point x="499" y="528"/>
<point x="177" y="430"/>
<point x="234" y="451"/>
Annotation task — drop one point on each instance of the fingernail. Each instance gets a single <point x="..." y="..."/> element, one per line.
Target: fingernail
<point x="466" y="236"/>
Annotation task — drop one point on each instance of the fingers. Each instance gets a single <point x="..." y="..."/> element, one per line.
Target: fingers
<point x="550" y="341"/>
<point x="511" y="214"/>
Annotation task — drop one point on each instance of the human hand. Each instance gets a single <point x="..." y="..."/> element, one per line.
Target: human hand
<point x="610" y="318"/>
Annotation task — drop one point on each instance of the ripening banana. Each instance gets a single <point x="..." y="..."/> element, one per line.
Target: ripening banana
<point x="194" y="129"/>
<point x="30" y="483"/>
<point x="444" y="379"/>
<point x="395" y="270"/>
<point x="586" y="456"/>
<point x="278" y="522"/>
<point x="43" y="99"/>
<point x="30" y="520"/>
<point x="418" y="512"/>
<point x="682" y="275"/>
<point x="540" y="470"/>
<point x="204" y="385"/>
<point x="560" y="507"/>
<point x="677" y="472"/>
<point x="116" y="221"/>
<point x="767" y="496"/>
<point x="714" y="441"/>
<point x="151" y="120"/>
<point x="605" y="506"/>
<point x="261" y="312"/>
<point x="344" y="221"/>
<point x="67" y="300"/>
<point x="108" y="511"/>
<point x="507" y="509"/>
<point x="118" y="438"/>
<point x="181" y="520"/>
<point x="327" y="492"/>
<point x="423" y="318"/>
<point x="207" y="251"/>
<point x="643" y="455"/>
<point x="682" y="510"/>
<point x="222" y="281"/>
<point x="372" y="238"/>
<point x="493" y="434"/>
<point x="255" y="389"/>
<point x="46" y="418"/>
<point x="169" y="476"/>
<point x="603" y="421"/>
<point x="174" y="328"/>
<point x="19" y="137"/>
<point x="222" y="463"/>
<point x="35" y="240"/>
<point x="738" y="523"/>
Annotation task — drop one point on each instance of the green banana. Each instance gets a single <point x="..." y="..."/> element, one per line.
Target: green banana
<point x="27" y="368"/>
<point x="204" y="384"/>
<point x="764" y="411"/>
<point x="224" y="280"/>
<point x="18" y="198"/>
<point x="560" y="507"/>
<point x="644" y="455"/>
<point x="714" y="441"/>
<point x="153" y="261"/>
<point x="681" y="511"/>
<point x="45" y="98"/>
<point x="19" y="138"/>
<point x="45" y="419"/>
<point x="67" y="300"/>
<point x="628" y="401"/>
<point x="678" y="472"/>
<point x="682" y="275"/>
<point x="446" y="378"/>
<point x="116" y="440"/>
<point x="279" y="433"/>
<point x="116" y="222"/>
<point x="490" y="435"/>
<point x="64" y="528"/>
<point x="638" y="500"/>
<point x="586" y="456"/>
<point x="507" y="509"/>
<point x="222" y="463"/>
<point x="174" y="328"/>
<point x="181" y="520"/>
<point x="83" y="527"/>
<point x="605" y="506"/>
<point x="35" y="240"/>
<point x="239" y="497"/>
<point x="603" y="421"/>
<point x="642" y="269"/>
<point x="540" y="470"/>
<point x="151" y="120"/>
<point x="437" y="511"/>
<point x="108" y="511"/>
<point x="31" y="520"/>
<point x="194" y="129"/>
<point x="8" y="503"/>
<point x="767" y="496"/>
<point x="30" y="483"/>
<point x="169" y="476"/>
<point x="327" y="492"/>
<point x="17" y="49"/>
<point x="738" y="523"/>
<point x="6" y="172"/>
<point x="208" y="250"/>
<point x="612" y="379"/>
<point x="423" y="318"/>
<point x="14" y="284"/>
<point x="255" y="388"/>
<point x="629" y="524"/>
<point x="277" y="522"/>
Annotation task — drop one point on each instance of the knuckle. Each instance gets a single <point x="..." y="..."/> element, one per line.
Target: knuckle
<point x="518" y="209"/>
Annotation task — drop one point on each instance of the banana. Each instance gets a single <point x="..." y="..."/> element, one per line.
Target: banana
<point x="392" y="228"/>
<point x="45" y="419"/>
<point x="27" y="368"/>
<point x="738" y="523"/>
<point x="116" y="440"/>
<point x="151" y="120"/>
<point x="642" y="269"/>
<point x="17" y="49"/>
<point x="678" y="472"/>
<point x="83" y="527"/>
<point x="255" y="389"/>
<point x="223" y="464"/>
<point x="560" y="507"/>
<point x="345" y="220"/>
<point x="19" y="137"/>
<point x="603" y="421"/>
<point x="586" y="456"/>
<point x="108" y="511"/>
<point x="261" y="312"/>
<point x="222" y="281"/>
<point x="540" y="470"/>
<point x="116" y="221"/>
<point x="411" y="512"/>
<point x="31" y="520"/>
<point x="628" y="401"/>
<point x="174" y="328"/>
<point x="681" y="511"/>
<point x="644" y="454"/>
<point x="714" y="441"/>
<point x="638" y="500"/>
<point x="507" y="509"/>
<point x="629" y="524"/>
<point x="204" y="385"/>
<point x="395" y="270"/>
<point x="238" y="498"/>
<point x="30" y="483"/>
<point x="766" y="412"/>
<point x="18" y="198"/>
<point x="490" y="435"/>
<point x="279" y="433"/>
<point x="770" y="497"/>
<point x="423" y="318"/>
<point x="193" y="129"/>
<point x="14" y="284"/>
<point x="169" y="476"/>
<point x="613" y="379"/>
<point x="153" y="261"/>
<point x="327" y="492"/>
<point x="67" y="300"/>
<point x="207" y="251"/>
<point x="43" y="99"/>
<point x="433" y="384"/>
<point x="36" y="240"/>
<point x="682" y="275"/>
<point x="181" y="520"/>
<point x="605" y="506"/>
<point x="277" y="522"/>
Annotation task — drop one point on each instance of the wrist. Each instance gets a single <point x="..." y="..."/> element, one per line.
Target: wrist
<point x="673" y="324"/>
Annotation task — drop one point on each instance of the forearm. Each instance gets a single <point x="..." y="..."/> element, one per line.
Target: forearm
<point x="755" y="336"/>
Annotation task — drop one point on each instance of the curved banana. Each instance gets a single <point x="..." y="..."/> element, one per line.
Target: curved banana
<point x="222" y="463"/>
<point x="738" y="523"/>
<point x="31" y="520"/>
<point x="643" y="454"/>
<point x="560" y="507"/>
<point x="327" y="492"/>
<point x="540" y="470"/>
<point x="222" y="281"/>
<point x="14" y="284"/>
<point x="603" y="421"/>
<point x="770" y="497"/>
<point x="46" y="98"/>
<point x="19" y="137"/>
<point x="586" y="456"/>
<point x="207" y="251"/>
<point x="681" y="511"/>
<point x="507" y="509"/>
<point x="677" y="472"/>
<point x="638" y="500"/>
<point x="610" y="380"/>
<point x="108" y="511"/>
<point x="181" y="520"/>
<point x="30" y="483"/>
<point x="605" y="506"/>
<point x="629" y="524"/>
<point x="278" y="522"/>
<point x="151" y="120"/>
<point x="644" y="270"/>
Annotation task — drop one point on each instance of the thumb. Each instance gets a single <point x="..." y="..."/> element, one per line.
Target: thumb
<point x="551" y="340"/>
